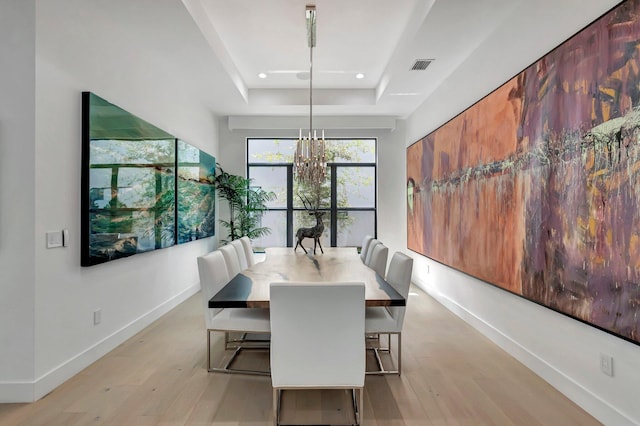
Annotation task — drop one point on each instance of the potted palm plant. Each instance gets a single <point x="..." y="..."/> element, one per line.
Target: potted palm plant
<point x="247" y="204"/>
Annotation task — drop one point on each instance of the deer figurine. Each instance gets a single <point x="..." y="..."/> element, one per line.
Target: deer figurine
<point x="314" y="232"/>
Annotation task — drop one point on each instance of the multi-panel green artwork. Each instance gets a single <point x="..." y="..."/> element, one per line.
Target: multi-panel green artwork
<point x="142" y="189"/>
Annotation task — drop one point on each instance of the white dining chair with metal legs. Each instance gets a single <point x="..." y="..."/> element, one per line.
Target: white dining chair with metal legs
<point x="374" y="242"/>
<point x="246" y="243"/>
<point x="378" y="259"/>
<point x="389" y="320"/>
<point x="364" y="247"/>
<point x="213" y="276"/>
<point x="236" y="261"/>
<point x="231" y="260"/>
<point x="242" y="255"/>
<point x="317" y="339"/>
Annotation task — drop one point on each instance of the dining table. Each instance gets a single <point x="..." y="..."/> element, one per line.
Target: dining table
<point x="250" y="288"/>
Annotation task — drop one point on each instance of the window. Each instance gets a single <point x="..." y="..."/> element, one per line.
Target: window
<point x="348" y="195"/>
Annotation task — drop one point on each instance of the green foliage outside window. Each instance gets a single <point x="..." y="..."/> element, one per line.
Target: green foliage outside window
<point x="349" y="151"/>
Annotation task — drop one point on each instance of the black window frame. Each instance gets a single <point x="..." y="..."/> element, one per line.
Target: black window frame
<point x="333" y="167"/>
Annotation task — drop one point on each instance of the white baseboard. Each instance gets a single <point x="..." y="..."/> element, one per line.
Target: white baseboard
<point x="16" y="392"/>
<point x="32" y="391"/>
<point x="583" y="397"/>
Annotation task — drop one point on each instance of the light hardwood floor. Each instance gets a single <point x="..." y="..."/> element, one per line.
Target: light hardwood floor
<point x="452" y="375"/>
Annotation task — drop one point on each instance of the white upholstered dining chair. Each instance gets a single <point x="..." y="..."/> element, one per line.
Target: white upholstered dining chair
<point x="389" y="320"/>
<point x="374" y="242"/>
<point x="242" y="254"/>
<point x="231" y="260"/>
<point x="364" y="247"/>
<point x="248" y="251"/>
<point x="378" y="259"/>
<point x="317" y="339"/>
<point x="213" y="277"/>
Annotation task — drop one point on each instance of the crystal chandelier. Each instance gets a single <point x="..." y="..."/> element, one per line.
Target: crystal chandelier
<point x="309" y="164"/>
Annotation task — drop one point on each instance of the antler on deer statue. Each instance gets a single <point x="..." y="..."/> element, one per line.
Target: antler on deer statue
<point x="314" y="232"/>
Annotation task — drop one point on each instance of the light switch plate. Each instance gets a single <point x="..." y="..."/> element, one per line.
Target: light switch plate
<point x="65" y="237"/>
<point x="54" y="239"/>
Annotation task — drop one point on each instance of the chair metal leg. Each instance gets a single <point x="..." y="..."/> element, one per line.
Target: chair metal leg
<point x="233" y="358"/>
<point x="237" y="349"/>
<point x="276" y="406"/>
<point x="357" y="404"/>
<point x="354" y="403"/>
<point x="381" y="370"/>
<point x="245" y="338"/>
<point x="376" y="352"/>
<point x="361" y="410"/>
<point x="208" y="350"/>
<point x="399" y="354"/>
<point x="357" y="400"/>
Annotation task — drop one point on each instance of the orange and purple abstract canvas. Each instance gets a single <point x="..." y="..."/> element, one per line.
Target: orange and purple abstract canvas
<point x="536" y="187"/>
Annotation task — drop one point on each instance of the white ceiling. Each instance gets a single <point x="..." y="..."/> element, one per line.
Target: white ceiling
<point x="213" y="50"/>
<point x="379" y="38"/>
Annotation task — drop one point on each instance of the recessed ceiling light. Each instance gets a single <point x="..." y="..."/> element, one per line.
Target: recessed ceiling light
<point x="359" y="76"/>
<point x="262" y="75"/>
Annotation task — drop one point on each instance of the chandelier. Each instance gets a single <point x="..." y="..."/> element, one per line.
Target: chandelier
<point x="309" y="163"/>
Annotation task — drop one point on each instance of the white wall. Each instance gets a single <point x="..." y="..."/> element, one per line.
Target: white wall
<point x="78" y="45"/>
<point x="17" y="136"/>
<point x="563" y="351"/>
<point x="391" y="158"/>
<point x="47" y="299"/>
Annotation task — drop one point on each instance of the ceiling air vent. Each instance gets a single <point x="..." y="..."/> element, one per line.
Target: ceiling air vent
<point x="421" y="64"/>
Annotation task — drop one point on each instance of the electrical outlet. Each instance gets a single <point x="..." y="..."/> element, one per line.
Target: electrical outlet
<point x="97" y="316"/>
<point x="606" y="364"/>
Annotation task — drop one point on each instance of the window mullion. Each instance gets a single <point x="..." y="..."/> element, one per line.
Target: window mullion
<point x="290" y="205"/>
<point x="334" y="207"/>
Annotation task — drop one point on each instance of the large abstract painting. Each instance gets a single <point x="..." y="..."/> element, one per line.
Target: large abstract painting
<point x="133" y="177"/>
<point x="536" y="187"/>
